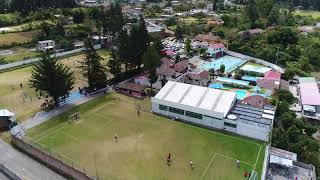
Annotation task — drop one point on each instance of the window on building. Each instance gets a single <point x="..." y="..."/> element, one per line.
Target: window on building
<point x="193" y="115"/>
<point x="163" y="107"/>
<point x="230" y="125"/>
<point x="176" y="110"/>
<point x="213" y="118"/>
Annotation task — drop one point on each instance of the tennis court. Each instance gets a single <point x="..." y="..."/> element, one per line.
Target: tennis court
<point x="231" y="63"/>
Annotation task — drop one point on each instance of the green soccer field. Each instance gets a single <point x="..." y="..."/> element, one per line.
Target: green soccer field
<point x="144" y="143"/>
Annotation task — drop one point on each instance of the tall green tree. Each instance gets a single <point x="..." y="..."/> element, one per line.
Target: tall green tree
<point x="151" y="59"/>
<point x="153" y="77"/>
<point x="222" y="68"/>
<point x="52" y="78"/>
<point x="92" y="68"/>
<point x="114" y="65"/>
<point x="78" y="16"/>
<point x="214" y="5"/>
<point x="179" y="32"/>
<point x="188" y="45"/>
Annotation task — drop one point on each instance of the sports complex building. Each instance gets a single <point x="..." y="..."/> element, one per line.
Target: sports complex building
<point x="213" y="108"/>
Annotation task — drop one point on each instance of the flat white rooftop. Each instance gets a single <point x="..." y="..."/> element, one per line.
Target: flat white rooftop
<point x="197" y="97"/>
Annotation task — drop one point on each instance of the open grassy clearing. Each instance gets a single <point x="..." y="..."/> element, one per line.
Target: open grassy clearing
<point x="24" y="101"/>
<point x="18" y="37"/>
<point x="19" y="54"/>
<point x="314" y="14"/>
<point x="144" y="143"/>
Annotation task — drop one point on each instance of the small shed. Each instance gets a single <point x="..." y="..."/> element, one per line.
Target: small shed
<point x="6" y="118"/>
<point x="131" y="89"/>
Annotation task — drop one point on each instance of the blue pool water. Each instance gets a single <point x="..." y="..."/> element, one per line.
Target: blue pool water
<point x="216" y="86"/>
<point x="241" y="94"/>
<point x="230" y="62"/>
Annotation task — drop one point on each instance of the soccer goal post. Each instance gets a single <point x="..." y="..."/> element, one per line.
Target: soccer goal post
<point x="74" y="117"/>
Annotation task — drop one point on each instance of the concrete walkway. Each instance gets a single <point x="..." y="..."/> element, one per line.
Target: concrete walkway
<point x="44" y="116"/>
<point x="24" y="166"/>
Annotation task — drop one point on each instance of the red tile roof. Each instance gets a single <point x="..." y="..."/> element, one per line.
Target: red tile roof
<point x="198" y="75"/>
<point x="131" y="86"/>
<point x="217" y="45"/>
<point x="272" y="75"/>
<point x="268" y="84"/>
<point x="181" y="66"/>
<point x="255" y="100"/>
<point x="165" y="70"/>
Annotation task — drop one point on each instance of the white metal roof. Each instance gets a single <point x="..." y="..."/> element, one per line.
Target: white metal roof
<point x="5" y="113"/>
<point x="281" y="161"/>
<point x="196" y="97"/>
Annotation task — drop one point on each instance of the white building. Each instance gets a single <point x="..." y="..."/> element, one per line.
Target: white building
<point x="46" y="45"/>
<point x="212" y="108"/>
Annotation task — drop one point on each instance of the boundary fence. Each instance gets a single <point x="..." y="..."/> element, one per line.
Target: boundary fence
<point x="53" y="160"/>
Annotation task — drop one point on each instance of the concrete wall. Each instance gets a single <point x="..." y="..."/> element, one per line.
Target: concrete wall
<point x="49" y="160"/>
<point x="252" y="131"/>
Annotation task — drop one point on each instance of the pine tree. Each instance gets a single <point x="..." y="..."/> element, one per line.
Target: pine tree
<point x="188" y="46"/>
<point x="214" y="5"/>
<point x="153" y="77"/>
<point x="92" y="68"/>
<point x="52" y="78"/>
<point x="151" y="59"/>
<point x="114" y="65"/>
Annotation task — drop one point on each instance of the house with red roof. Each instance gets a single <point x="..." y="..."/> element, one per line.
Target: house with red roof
<point x="255" y="100"/>
<point x="270" y="81"/>
<point x="181" y="67"/>
<point x="199" y="78"/>
<point x="216" y="50"/>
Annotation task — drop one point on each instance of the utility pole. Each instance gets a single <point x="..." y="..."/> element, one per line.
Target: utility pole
<point x="278" y="51"/>
<point x="95" y="165"/>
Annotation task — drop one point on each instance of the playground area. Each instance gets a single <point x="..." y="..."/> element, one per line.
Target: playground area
<point x="231" y="63"/>
<point x="24" y="101"/>
<point x="143" y="143"/>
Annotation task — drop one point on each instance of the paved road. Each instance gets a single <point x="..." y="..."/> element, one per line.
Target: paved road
<point x="3" y="177"/>
<point x="23" y="166"/>
<point x="30" y="61"/>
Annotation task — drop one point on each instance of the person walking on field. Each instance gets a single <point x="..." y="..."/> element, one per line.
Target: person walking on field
<point x="238" y="163"/>
<point x="191" y="164"/>
<point x="169" y="159"/>
<point x="116" y="138"/>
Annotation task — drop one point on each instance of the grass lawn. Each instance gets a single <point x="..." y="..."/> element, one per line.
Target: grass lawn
<point x="314" y="14"/>
<point x="19" y="54"/>
<point x="18" y="100"/>
<point x="18" y="37"/>
<point x="144" y="143"/>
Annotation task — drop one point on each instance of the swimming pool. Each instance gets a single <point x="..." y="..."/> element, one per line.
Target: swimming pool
<point x="230" y="62"/>
<point x="241" y="94"/>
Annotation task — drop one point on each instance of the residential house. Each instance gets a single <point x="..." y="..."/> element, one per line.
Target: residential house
<point x="216" y="50"/>
<point x="46" y="45"/>
<point x="281" y="161"/>
<point x="270" y="81"/>
<point x="131" y="89"/>
<point x="255" y="100"/>
<point x="209" y="38"/>
<point x="310" y="97"/>
<point x="199" y="78"/>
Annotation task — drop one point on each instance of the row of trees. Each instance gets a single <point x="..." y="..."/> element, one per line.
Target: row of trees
<point x="53" y="79"/>
<point x="294" y="134"/>
<point x="129" y="49"/>
<point x="25" y="6"/>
